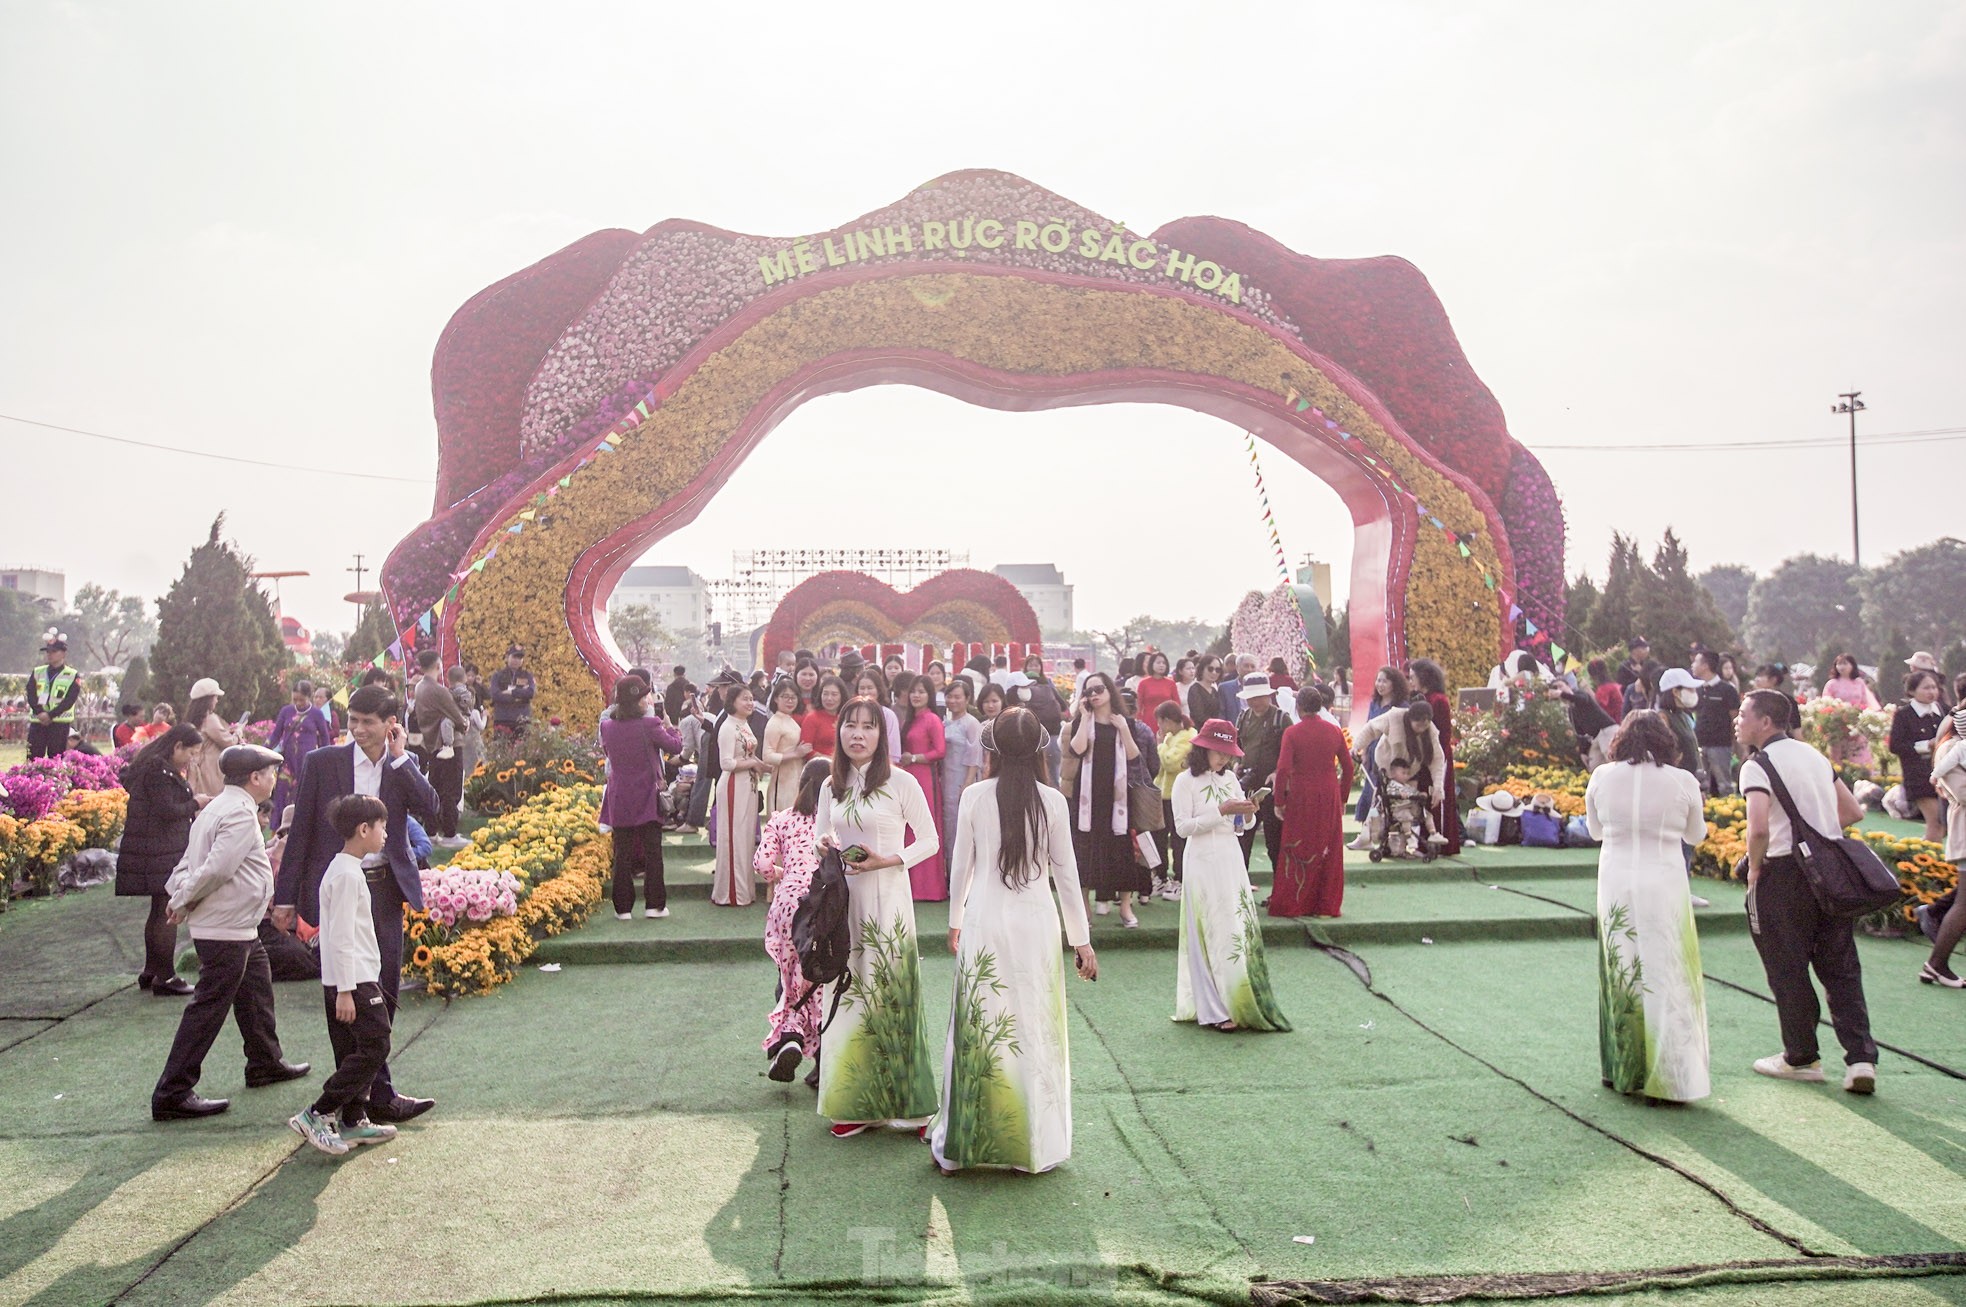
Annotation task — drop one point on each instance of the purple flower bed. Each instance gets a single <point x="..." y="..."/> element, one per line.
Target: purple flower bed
<point x="684" y="281"/>
<point x="34" y="788"/>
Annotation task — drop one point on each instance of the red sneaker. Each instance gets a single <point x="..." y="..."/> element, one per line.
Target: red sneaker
<point x="848" y="1129"/>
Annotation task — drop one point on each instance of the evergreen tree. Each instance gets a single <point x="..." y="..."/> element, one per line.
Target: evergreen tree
<point x="1675" y="611"/>
<point x="1730" y="584"/>
<point x="1580" y="600"/>
<point x="214" y="622"/>
<point x="136" y="681"/>
<point x="1611" y="617"/>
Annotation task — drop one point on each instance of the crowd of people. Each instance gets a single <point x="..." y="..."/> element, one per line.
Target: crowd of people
<point x="992" y="788"/>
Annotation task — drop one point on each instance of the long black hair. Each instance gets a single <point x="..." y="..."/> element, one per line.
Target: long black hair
<point x="908" y="711"/>
<point x="812" y="778"/>
<point x="1018" y="742"/>
<point x="156" y="755"/>
<point x="878" y="766"/>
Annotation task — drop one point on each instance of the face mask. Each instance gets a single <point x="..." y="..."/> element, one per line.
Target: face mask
<point x="1687" y="698"/>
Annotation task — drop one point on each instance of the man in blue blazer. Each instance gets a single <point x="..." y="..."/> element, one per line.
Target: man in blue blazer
<point x="378" y="763"/>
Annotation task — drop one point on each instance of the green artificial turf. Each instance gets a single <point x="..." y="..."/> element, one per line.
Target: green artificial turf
<point x="605" y="1132"/>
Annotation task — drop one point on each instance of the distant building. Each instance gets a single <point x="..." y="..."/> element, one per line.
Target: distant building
<point x="679" y="598"/>
<point x="1317" y="576"/>
<point x="41" y="584"/>
<point x="1044" y="588"/>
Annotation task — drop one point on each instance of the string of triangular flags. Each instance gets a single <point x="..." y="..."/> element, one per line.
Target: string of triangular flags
<point x="1463" y="539"/>
<point x="1276" y="543"/>
<point x="425" y="623"/>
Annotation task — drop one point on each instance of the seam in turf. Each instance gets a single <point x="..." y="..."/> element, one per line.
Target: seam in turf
<point x="1154" y="1129"/>
<point x="1560" y="1284"/>
<point x="250" y="1189"/>
<point x="1633" y="1146"/>
<point x="1822" y="1023"/>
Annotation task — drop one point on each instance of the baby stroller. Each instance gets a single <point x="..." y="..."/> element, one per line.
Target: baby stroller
<point x="1400" y="824"/>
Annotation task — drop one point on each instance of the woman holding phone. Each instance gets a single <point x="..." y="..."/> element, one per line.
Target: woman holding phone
<point x="877" y="1070"/>
<point x="1221" y="977"/>
<point x="1007" y="1073"/>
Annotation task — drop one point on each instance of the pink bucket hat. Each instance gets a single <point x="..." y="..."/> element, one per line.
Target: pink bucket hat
<point x="1218" y="735"/>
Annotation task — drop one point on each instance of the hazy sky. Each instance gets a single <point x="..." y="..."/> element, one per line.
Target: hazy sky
<point x="240" y="228"/>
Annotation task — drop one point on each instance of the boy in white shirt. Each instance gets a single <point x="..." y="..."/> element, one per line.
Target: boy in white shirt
<point x="351" y="971"/>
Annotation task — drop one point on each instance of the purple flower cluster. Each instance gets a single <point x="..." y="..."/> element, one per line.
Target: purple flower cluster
<point x="34" y="788"/>
<point x="30" y="797"/>
<point x="684" y="281"/>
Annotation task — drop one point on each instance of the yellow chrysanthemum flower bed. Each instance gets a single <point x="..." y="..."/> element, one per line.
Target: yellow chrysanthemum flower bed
<point x="1565" y="784"/>
<point x="99" y="813"/>
<point x="1020" y="327"/>
<point x="552" y="844"/>
<point x="1921" y="865"/>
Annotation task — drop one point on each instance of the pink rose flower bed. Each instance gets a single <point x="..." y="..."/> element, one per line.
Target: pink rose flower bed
<point x="472" y="895"/>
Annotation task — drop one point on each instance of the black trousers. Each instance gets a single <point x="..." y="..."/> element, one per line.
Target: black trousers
<point x="1792" y="935"/>
<point x="638" y="855"/>
<point x="386" y="912"/>
<point x="50" y="741"/>
<point x="360" y="1049"/>
<point x="447" y="778"/>
<point x="1271" y="825"/>
<point x="233" y="976"/>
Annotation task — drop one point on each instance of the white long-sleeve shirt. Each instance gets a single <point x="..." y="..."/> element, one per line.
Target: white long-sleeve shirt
<point x="350" y="955"/>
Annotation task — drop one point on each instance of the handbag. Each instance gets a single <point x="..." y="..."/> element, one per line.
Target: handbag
<point x="1144" y="808"/>
<point x="1847" y="877"/>
<point x="1541" y="830"/>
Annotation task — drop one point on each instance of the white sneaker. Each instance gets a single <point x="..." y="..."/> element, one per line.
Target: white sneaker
<point x="1860" y="1078"/>
<point x="447" y="753"/>
<point x="1361" y="843"/>
<point x="319" y="1131"/>
<point x="1778" y="1067"/>
<point x="624" y="916"/>
<point x="453" y="842"/>
<point x="655" y="912"/>
<point x="1699" y="902"/>
<point x="1101" y="908"/>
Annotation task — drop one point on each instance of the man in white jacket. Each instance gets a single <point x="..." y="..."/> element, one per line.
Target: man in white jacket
<point x="222" y="887"/>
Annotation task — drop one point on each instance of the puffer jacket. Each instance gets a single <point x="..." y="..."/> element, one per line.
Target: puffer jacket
<point x="225" y="879"/>
<point x="156" y="830"/>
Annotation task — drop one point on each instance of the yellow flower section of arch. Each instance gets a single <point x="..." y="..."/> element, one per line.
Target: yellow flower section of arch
<point x="1007" y="323"/>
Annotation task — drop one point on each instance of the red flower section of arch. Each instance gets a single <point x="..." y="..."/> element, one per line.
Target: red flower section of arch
<point x="936" y="602"/>
<point x="1380" y="320"/>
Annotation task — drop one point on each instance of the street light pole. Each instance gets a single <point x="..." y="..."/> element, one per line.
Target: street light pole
<point x="1853" y="406"/>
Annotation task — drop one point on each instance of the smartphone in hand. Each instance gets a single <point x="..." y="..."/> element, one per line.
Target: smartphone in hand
<point x="1260" y="795"/>
<point x="855" y="853"/>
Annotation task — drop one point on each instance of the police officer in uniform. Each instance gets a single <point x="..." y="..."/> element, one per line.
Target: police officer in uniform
<point x="53" y="690"/>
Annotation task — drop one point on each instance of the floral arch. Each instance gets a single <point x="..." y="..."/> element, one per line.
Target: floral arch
<point x="959" y="606"/>
<point x="591" y="404"/>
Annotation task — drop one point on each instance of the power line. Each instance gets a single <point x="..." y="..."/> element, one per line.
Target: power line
<point x="223" y="458"/>
<point x="1932" y="435"/>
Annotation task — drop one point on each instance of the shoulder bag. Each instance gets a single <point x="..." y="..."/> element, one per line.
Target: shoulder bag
<point x="1847" y="877"/>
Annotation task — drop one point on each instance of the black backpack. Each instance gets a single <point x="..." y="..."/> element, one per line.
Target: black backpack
<point x="821" y="934"/>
